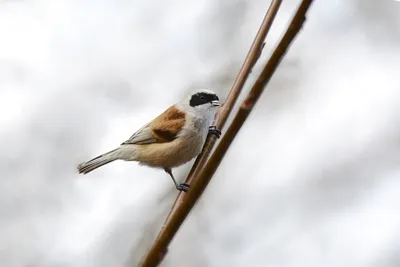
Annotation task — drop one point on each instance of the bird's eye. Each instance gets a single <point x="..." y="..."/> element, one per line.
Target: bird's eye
<point x="202" y="97"/>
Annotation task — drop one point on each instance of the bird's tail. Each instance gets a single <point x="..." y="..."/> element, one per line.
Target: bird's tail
<point x="99" y="161"/>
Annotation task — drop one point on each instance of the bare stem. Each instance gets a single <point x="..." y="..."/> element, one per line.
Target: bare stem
<point x="251" y="59"/>
<point x="186" y="202"/>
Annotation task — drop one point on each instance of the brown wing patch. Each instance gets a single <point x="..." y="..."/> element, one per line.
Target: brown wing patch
<point x="165" y="136"/>
<point x="167" y="126"/>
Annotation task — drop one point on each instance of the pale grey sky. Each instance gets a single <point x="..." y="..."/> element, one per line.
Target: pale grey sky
<point x="313" y="178"/>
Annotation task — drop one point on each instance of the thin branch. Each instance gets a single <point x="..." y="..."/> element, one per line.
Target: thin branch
<point x="246" y="107"/>
<point x="180" y="212"/>
<point x="222" y="116"/>
<point x="251" y="59"/>
<point x="159" y="248"/>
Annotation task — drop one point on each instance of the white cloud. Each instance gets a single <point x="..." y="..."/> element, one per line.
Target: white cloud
<point x="310" y="181"/>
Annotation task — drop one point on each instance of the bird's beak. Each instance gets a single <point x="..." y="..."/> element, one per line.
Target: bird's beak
<point x="215" y="103"/>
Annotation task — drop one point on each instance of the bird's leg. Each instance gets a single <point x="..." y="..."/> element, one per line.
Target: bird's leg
<point x="180" y="187"/>
<point x="213" y="130"/>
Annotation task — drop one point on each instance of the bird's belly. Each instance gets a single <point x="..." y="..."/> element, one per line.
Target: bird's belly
<point x="171" y="154"/>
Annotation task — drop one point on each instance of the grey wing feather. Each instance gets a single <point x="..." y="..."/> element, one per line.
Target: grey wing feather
<point x="142" y="136"/>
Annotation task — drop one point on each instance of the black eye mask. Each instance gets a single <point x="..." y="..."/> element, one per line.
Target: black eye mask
<point x="202" y="98"/>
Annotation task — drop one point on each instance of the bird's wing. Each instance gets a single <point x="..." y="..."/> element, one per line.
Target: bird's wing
<point x="164" y="128"/>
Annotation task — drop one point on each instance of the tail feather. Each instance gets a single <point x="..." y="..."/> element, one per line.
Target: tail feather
<point x="97" y="162"/>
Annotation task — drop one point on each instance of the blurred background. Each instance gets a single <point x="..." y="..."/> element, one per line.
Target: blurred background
<point x="313" y="178"/>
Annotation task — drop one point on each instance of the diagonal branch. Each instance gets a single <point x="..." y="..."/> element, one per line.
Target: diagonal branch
<point x="246" y="107"/>
<point x="222" y="116"/>
<point x="182" y="209"/>
<point x="251" y="59"/>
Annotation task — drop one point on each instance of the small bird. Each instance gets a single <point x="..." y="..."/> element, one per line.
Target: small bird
<point x="173" y="138"/>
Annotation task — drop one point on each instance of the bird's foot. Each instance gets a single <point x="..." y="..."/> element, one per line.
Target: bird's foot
<point x="183" y="187"/>
<point x="213" y="130"/>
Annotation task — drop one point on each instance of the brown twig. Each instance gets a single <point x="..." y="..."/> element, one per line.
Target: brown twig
<point x="173" y="223"/>
<point x="246" y="107"/>
<point x="155" y="256"/>
<point x="251" y="59"/>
